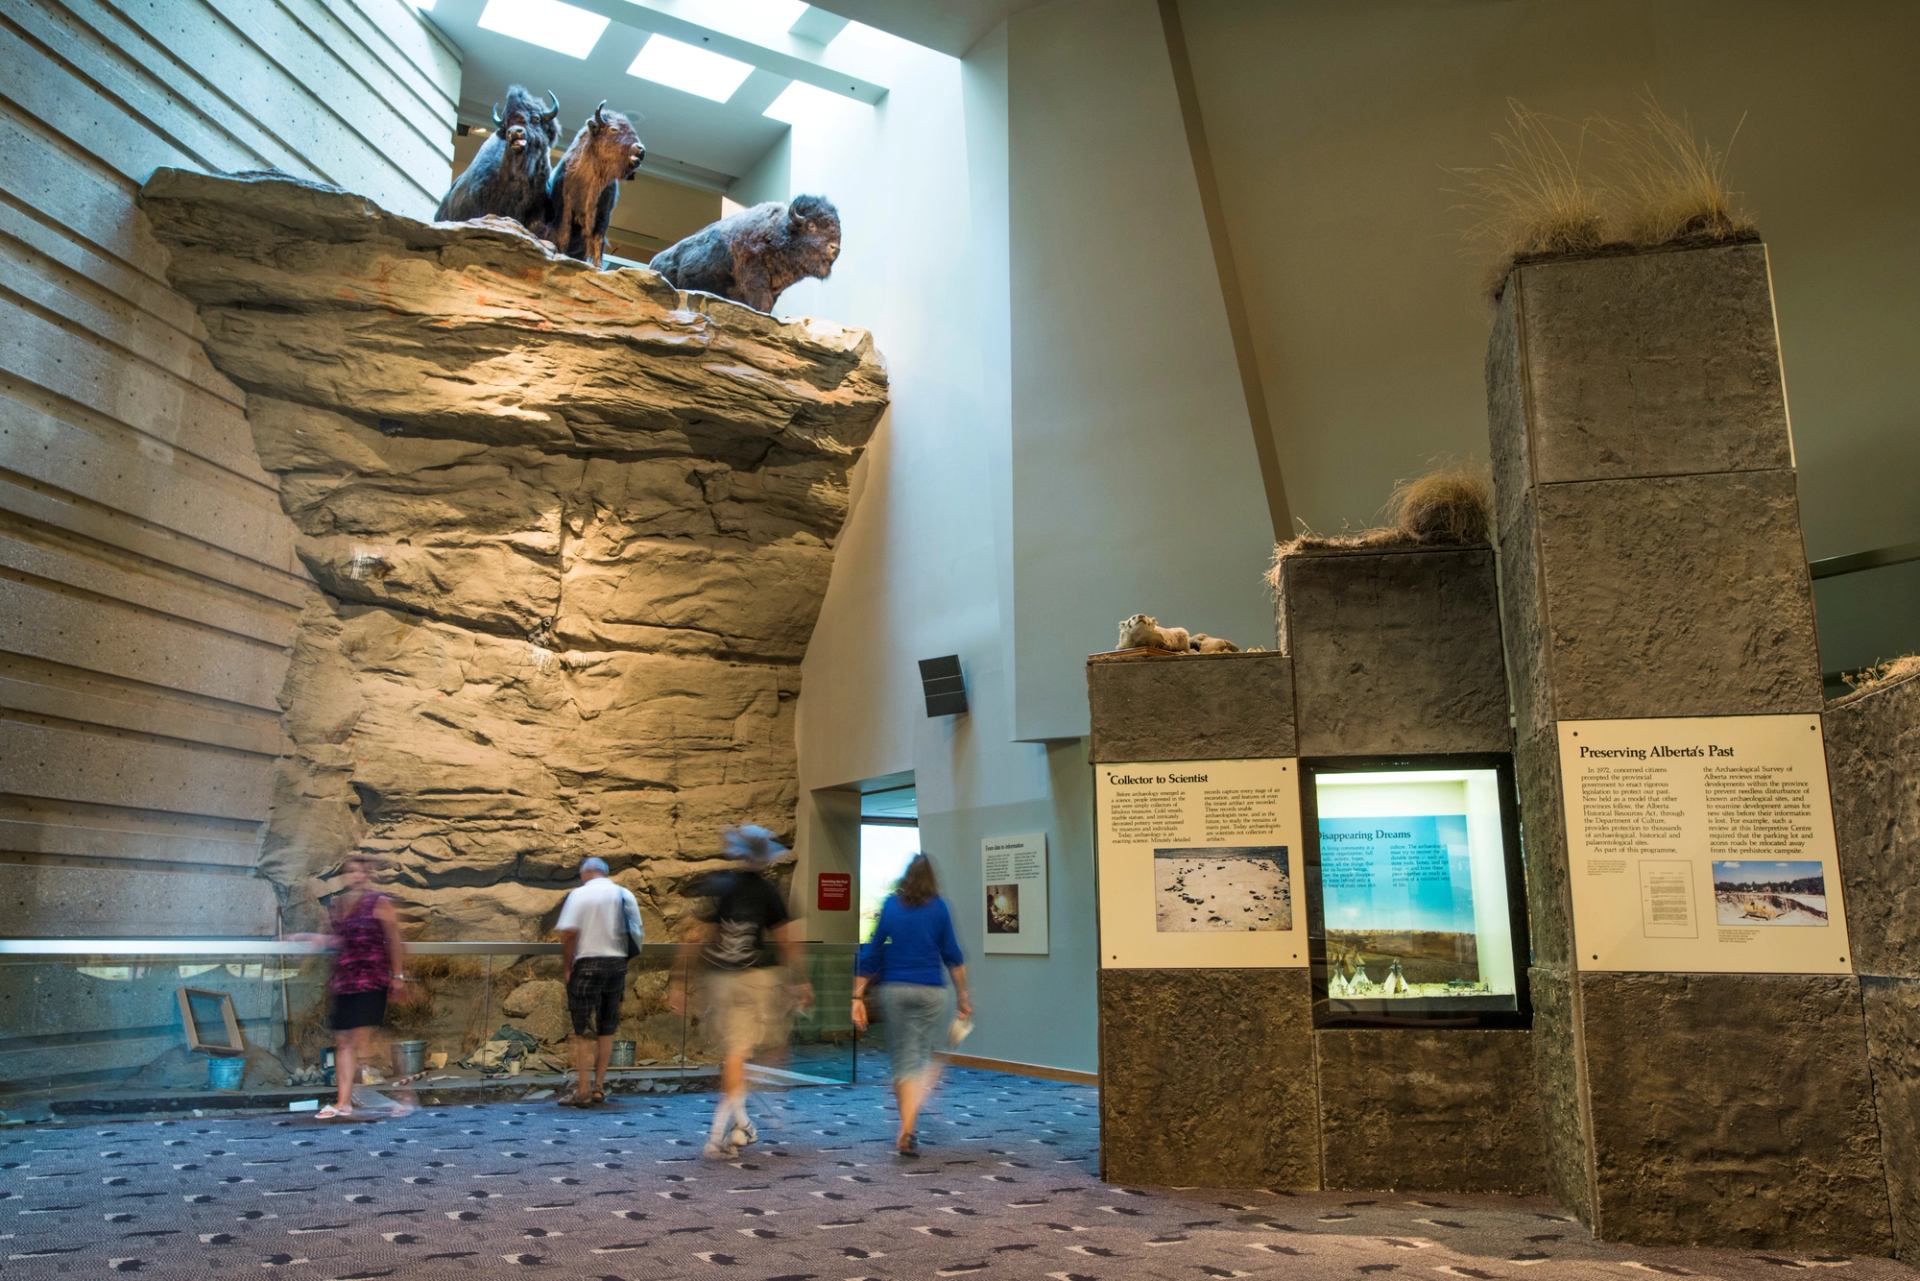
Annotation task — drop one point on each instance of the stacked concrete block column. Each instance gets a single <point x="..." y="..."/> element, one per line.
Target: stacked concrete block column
<point x="1396" y="651"/>
<point x="1206" y="1076"/>
<point x="1652" y="566"/>
<point x="1873" y="757"/>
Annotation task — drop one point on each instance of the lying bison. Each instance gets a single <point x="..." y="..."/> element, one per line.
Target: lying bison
<point x="756" y="254"/>
<point x="509" y="174"/>
<point x="586" y="184"/>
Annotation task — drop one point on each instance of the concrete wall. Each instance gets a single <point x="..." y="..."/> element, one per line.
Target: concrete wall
<point x="148" y="586"/>
<point x="1329" y="124"/>
<point x="921" y="186"/>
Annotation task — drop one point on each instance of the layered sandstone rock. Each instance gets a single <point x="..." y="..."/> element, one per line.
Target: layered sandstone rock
<point x="570" y="530"/>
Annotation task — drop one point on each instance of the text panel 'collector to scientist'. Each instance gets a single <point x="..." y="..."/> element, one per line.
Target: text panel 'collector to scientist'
<point x="1414" y="891"/>
<point x="1200" y="864"/>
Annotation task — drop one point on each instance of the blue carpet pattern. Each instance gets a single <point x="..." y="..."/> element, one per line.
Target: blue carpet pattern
<point x="1005" y="1188"/>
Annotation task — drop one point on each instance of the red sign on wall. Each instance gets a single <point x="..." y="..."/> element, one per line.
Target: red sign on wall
<point x="836" y="891"/>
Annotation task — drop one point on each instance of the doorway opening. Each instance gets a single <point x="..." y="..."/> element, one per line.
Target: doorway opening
<point x="889" y="837"/>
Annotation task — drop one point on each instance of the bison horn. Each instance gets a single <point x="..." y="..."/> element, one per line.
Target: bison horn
<point x="549" y="115"/>
<point x="600" y="112"/>
<point x="496" y="113"/>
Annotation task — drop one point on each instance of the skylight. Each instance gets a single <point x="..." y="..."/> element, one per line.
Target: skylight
<point x="547" y="23"/>
<point x="688" y="68"/>
<point x="804" y="103"/>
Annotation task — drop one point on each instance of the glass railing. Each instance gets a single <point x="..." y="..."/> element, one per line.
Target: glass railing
<point x="95" y="1027"/>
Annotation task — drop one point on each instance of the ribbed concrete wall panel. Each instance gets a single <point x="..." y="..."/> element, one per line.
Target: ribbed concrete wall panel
<point x="148" y="585"/>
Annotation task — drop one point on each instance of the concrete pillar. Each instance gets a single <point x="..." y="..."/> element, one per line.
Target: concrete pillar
<point x="1396" y="650"/>
<point x="1652" y="566"/>
<point x="1873" y="757"/>
<point x="1206" y="1075"/>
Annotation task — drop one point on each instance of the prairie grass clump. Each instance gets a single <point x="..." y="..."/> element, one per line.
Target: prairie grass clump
<point x="1450" y="505"/>
<point x="1670" y="184"/>
<point x="1540" y="198"/>
<point x="1642" y="185"/>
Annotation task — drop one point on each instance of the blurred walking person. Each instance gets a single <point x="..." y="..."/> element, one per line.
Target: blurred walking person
<point x="744" y="938"/>
<point x="369" y="968"/>
<point x="600" y="932"/>
<point x="908" y="957"/>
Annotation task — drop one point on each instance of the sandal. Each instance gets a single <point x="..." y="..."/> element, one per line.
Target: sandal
<point x="598" y="1097"/>
<point x="333" y="1113"/>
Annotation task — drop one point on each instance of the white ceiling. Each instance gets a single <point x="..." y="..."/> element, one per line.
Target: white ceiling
<point x="689" y="138"/>
<point x="951" y="26"/>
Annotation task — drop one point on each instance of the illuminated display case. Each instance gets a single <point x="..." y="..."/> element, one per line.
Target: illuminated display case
<point x="1416" y="906"/>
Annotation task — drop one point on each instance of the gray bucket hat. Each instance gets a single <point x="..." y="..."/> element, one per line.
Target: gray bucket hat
<point x="753" y="843"/>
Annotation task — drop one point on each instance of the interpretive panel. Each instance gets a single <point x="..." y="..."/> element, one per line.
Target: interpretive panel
<point x="1015" y="876"/>
<point x="1703" y="844"/>
<point x="1200" y="864"/>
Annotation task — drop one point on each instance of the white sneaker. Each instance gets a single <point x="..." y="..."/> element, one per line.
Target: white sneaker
<point x="743" y="1133"/>
<point x="718" y="1151"/>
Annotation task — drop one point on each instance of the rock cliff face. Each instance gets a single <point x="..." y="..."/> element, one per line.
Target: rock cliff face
<point x="570" y="530"/>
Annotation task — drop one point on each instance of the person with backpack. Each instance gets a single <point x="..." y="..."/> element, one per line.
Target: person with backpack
<point x="600" y="930"/>
<point x="742" y="944"/>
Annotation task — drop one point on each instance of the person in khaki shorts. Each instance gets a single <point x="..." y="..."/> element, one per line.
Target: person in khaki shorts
<point x="743" y="939"/>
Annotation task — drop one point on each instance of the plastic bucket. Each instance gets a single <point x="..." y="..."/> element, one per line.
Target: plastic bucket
<point x="409" y="1058"/>
<point x="224" y="1071"/>
<point x="622" y="1054"/>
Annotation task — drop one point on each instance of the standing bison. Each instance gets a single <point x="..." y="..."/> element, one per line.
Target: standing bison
<point x="586" y="185"/>
<point x="509" y="174"/>
<point x="756" y="254"/>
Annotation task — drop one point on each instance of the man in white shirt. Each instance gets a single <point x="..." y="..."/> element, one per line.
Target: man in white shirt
<point x="595" y="924"/>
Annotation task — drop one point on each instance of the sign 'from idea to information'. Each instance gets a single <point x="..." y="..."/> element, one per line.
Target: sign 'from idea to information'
<point x="1200" y="864"/>
<point x="1703" y="844"/>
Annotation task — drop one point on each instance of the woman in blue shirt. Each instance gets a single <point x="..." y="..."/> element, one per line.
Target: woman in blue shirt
<point x="910" y="953"/>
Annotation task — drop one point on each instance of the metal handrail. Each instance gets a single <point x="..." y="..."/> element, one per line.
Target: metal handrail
<point x="281" y="947"/>
<point x="1854" y="562"/>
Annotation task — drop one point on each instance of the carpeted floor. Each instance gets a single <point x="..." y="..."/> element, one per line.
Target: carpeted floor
<point x="1005" y="1188"/>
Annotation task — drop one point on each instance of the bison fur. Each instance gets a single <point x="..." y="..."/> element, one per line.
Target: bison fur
<point x="756" y="254"/>
<point x="586" y="184"/>
<point x="509" y="175"/>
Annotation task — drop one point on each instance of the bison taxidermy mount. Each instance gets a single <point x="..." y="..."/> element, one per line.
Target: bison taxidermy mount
<point x="585" y="186"/>
<point x="508" y="176"/>
<point x="753" y="256"/>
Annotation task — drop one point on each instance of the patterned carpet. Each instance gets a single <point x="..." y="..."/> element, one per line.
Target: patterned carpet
<point x="1005" y="1189"/>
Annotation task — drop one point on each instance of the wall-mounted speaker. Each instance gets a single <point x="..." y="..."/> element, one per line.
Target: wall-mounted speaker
<point x="945" y="687"/>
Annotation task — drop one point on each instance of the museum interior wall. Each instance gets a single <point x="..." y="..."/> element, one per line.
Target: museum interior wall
<point x="150" y="590"/>
<point x="1331" y="124"/>
<point x="1068" y="439"/>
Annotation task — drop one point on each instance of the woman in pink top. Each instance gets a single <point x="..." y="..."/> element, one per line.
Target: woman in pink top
<point x="368" y="964"/>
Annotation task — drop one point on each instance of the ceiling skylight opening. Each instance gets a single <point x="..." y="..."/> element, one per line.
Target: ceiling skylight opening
<point x="805" y="104"/>
<point x="547" y="23"/>
<point x="689" y="68"/>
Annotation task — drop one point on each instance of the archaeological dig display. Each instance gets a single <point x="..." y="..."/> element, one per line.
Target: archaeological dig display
<point x="1413" y="892"/>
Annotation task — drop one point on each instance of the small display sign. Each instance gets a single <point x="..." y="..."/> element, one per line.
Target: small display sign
<point x="835" y="892"/>
<point x="1199" y="864"/>
<point x="1014" y="871"/>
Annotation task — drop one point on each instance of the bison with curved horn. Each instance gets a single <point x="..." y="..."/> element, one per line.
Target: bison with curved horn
<point x="509" y="175"/>
<point x="757" y="253"/>
<point x="586" y="183"/>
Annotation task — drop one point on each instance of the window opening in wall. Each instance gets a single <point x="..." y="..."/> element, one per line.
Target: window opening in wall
<point x="889" y="836"/>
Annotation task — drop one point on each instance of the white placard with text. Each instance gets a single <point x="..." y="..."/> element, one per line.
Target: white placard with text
<point x="1200" y="864"/>
<point x="1702" y="844"/>
<point x="1015" y="869"/>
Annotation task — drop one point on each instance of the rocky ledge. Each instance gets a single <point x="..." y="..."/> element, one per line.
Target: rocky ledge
<point x="570" y="528"/>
